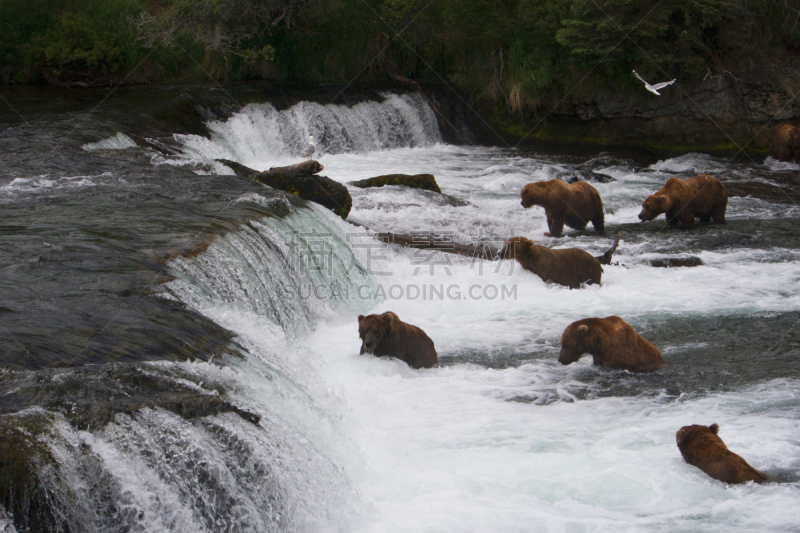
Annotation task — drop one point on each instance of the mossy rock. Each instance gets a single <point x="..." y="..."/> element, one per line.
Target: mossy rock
<point x="416" y="181"/>
<point x="302" y="181"/>
<point x="319" y="189"/>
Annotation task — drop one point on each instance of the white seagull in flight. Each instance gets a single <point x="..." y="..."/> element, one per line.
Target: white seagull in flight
<point x="653" y="88"/>
<point x="310" y="148"/>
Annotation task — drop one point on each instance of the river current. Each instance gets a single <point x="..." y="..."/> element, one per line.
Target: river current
<point x="179" y="346"/>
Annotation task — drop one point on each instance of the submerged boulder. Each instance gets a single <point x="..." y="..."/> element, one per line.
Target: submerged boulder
<point x="415" y="181"/>
<point x="591" y="176"/>
<point x="301" y="180"/>
<point x="674" y="262"/>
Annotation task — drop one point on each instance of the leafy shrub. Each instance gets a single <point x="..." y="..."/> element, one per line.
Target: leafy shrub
<point x="76" y="52"/>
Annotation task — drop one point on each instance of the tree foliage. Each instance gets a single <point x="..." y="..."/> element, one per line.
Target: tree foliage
<point x="521" y="52"/>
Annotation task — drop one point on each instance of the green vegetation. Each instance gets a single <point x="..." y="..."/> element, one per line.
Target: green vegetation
<point x="523" y="54"/>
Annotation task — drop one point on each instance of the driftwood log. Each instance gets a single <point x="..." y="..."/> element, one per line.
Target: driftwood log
<point x="441" y="243"/>
<point x="300" y="180"/>
<point x="486" y="251"/>
<point x="415" y="181"/>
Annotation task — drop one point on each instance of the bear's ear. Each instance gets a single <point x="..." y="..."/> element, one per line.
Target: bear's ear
<point x="583" y="329"/>
<point x="360" y="318"/>
<point x="714" y="428"/>
<point x="529" y="244"/>
<point x="386" y="318"/>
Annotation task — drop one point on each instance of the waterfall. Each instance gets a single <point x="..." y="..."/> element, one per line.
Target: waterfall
<point x="247" y="442"/>
<point x="259" y="135"/>
<point x="290" y="270"/>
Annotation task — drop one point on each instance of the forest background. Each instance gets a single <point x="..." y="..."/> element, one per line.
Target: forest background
<point x="523" y="55"/>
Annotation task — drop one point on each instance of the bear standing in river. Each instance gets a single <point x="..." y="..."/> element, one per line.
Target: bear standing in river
<point x="574" y="205"/>
<point x="570" y="267"/>
<point x="386" y="334"/>
<point x="784" y="143"/>
<point x="612" y="342"/>
<point x="703" y="197"/>
<point x="701" y="447"/>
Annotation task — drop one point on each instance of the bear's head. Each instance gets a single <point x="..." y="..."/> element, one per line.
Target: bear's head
<point x="373" y="328"/>
<point x="575" y="341"/>
<point x="514" y="248"/>
<point x="653" y="206"/>
<point x="687" y="434"/>
<point x="533" y="194"/>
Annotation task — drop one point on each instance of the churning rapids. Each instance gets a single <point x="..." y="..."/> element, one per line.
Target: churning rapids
<point x="180" y="347"/>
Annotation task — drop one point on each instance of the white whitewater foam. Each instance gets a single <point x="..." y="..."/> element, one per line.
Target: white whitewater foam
<point x="46" y="183"/>
<point x="774" y="164"/>
<point x="452" y="448"/>
<point x="693" y="162"/>
<point x="448" y="448"/>
<point x="259" y="136"/>
<point x="119" y="141"/>
<point x="6" y="526"/>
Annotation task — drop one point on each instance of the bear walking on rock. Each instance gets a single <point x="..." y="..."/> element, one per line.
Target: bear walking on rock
<point x="701" y="447"/>
<point x="703" y="197"/>
<point x="574" y="205"/>
<point x="612" y="342"/>
<point x="570" y="267"/>
<point x="386" y="334"/>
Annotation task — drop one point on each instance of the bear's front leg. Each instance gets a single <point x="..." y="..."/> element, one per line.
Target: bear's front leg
<point x="555" y="223"/>
<point x="687" y="219"/>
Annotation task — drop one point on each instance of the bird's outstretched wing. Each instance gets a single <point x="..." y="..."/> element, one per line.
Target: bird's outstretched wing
<point x="661" y="85"/>
<point x="640" y="78"/>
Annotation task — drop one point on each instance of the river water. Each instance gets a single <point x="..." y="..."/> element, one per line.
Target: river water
<point x="180" y="348"/>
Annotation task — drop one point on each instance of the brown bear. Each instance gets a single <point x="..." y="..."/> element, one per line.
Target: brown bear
<point x="703" y="197"/>
<point x="386" y="334"/>
<point x="701" y="447"/>
<point x="570" y="267"/>
<point x="784" y="143"/>
<point x="612" y="342"/>
<point x="574" y="205"/>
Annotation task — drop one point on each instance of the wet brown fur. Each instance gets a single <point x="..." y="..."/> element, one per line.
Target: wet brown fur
<point x="703" y="197"/>
<point x="574" y="205"/>
<point x="570" y="267"/>
<point x="386" y="334"/>
<point x="701" y="447"/>
<point x="612" y="342"/>
<point x="784" y="143"/>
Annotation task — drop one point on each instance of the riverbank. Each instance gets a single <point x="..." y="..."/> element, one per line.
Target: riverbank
<point x="721" y="116"/>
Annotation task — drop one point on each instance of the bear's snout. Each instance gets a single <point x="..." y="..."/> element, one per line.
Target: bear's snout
<point x="642" y="216"/>
<point x="562" y="358"/>
<point x="522" y="203"/>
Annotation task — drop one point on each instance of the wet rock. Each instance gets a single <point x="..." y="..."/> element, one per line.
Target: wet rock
<point x="416" y="181"/>
<point x="32" y="487"/>
<point x="591" y="176"/>
<point x="671" y="262"/>
<point x="90" y="398"/>
<point x="22" y="455"/>
<point x="301" y="180"/>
